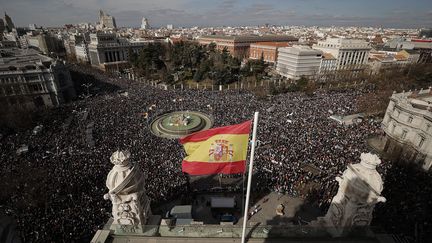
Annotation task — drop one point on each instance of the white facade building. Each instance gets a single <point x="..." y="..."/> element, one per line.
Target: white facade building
<point x="108" y="52"/>
<point x="294" y="62"/>
<point x="408" y="127"/>
<point x="81" y="52"/>
<point x="350" y="53"/>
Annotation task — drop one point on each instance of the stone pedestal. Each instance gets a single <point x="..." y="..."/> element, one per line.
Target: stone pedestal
<point x="131" y="206"/>
<point x="360" y="189"/>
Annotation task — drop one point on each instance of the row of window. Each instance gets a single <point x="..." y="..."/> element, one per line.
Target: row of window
<point x="404" y="134"/>
<point x="18" y="89"/>
<point x="18" y="79"/>
<point x="345" y="46"/>
<point x="352" y="58"/>
<point x="261" y="54"/>
<point x="409" y="120"/>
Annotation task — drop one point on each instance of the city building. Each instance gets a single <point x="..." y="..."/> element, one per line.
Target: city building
<point x="22" y="40"/>
<point x="170" y="26"/>
<point x="425" y="56"/>
<point x="76" y="46"/>
<point x="9" y="25"/>
<point x="379" y="60"/>
<point x="297" y="61"/>
<point x="108" y="52"/>
<point x="401" y="43"/>
<point x="238" y="46"/>
<point x="81" y="53"/>
<point x="328" y="63"/>
<point x="266" y="50"/>
<point x="47" y="44"/>
<point x="144" y="24"/>
<point x="327" y="67"/>
<point x="351" y="54"/>
<point x="31" y="80"/>
<point x="106" y="21"/>
<point x="8" y="44"/>
<point x="408" y="127"/>
<point x="10" y="39"/>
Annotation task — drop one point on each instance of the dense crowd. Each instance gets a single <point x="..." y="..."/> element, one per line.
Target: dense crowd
<point x="55" y="190"/>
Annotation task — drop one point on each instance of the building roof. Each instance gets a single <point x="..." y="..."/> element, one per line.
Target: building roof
<point x="400" y="57"/>
<point x="255" y="38"/>
<point x="377" y="39"/>
<point x="271" y="44"/>
<point x="21" y="58"/>
<point x="300" y="50"/>
<point x="418" y="101"/>
<point x="328" y="56"/>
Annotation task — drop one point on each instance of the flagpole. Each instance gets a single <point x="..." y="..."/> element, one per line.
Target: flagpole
<point x="251" y="159"/>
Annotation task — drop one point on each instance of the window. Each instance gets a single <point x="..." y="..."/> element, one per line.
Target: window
<point x="32" y="78"/>
<point x="410" y="119"/>
<point x="421" y="142"/>
<point x="397" y="113"/>
<point x="404" y="133"/>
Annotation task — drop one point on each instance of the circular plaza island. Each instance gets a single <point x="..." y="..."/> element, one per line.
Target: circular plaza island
<point x="180" y="123"/>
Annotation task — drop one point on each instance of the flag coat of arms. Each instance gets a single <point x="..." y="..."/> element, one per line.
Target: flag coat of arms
<point x="220" y="150"/>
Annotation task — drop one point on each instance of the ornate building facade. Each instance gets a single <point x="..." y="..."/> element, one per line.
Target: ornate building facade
<point x="108" y="52"/>
<point x="351" y="54"/>
<point x="239" y="46"/>
<point x="31" y="80"/>
<point x="408" y="127"/>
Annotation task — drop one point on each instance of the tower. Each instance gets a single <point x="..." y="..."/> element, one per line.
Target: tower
<point x="106" y="20"/>
<point x="130" y="204"/>
<point x="144" y="24"/>
<point x="9" y="25"/>
<point x="101" y="15"/>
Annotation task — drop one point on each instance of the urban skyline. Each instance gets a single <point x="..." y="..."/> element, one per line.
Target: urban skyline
<point x="187" y="13"/>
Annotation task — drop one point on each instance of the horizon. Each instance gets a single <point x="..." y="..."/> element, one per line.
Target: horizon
<point x="234" y="13"/>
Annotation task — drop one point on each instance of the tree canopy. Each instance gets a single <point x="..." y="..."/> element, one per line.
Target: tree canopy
<point x="187" y="60"/>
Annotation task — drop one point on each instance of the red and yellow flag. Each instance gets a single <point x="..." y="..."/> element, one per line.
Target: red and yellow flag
<point x="220" y="150"/>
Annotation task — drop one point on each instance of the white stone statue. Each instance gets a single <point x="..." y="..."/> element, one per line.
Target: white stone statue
<point x="127" y="192"/>
<point x="360" y="189"/>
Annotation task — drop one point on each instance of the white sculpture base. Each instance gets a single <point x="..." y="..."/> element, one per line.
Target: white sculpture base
<point x="360" y="189"/>
<point x="131" y="206"/>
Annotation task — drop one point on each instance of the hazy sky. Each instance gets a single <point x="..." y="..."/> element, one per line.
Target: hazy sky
<point x="387" y="13"/>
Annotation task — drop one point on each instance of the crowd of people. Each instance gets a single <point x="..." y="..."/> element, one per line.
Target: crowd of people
<point x="55" y="190"/>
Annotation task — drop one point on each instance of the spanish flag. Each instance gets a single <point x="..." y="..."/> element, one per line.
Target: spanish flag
<point x="220" y="150"/>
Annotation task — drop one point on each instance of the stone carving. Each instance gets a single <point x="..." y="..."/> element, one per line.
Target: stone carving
<point x="360" y="189"/>
<point x="126" y="192"/>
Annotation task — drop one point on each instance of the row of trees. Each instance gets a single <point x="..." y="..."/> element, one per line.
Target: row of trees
<point x="184" y="61"/>
<point x="396" y="78"/>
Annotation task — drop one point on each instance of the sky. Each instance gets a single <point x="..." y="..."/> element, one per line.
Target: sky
<point x="187" y="13"/>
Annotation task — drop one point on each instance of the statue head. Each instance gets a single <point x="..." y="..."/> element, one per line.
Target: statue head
<point x="369" y="160"/>
<point x="120" y="157"/>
